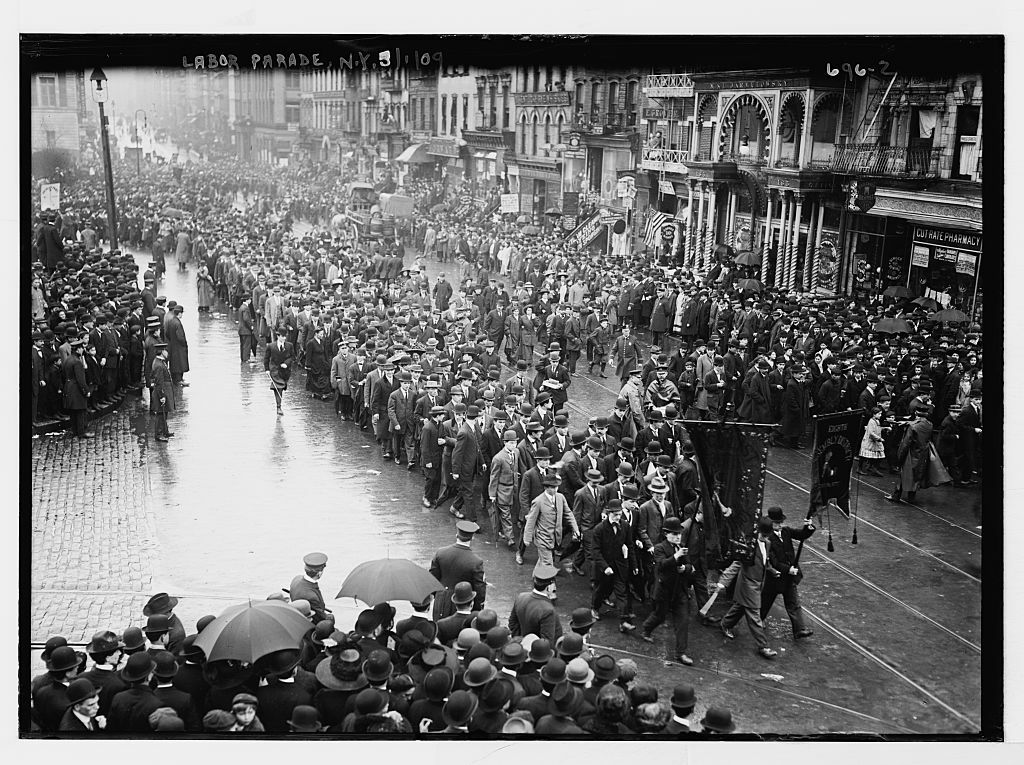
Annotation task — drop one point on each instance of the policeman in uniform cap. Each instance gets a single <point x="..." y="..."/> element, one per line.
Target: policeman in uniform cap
<point x="533" y="613"/>
<point x="458" y="563"/>
<point x="306" y="586"/>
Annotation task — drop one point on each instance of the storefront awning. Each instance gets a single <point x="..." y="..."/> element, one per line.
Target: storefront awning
<point x="415" y="155"/>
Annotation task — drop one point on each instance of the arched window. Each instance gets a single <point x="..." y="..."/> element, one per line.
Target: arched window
<point x="536" y="129"/>
<point x="547" y="130"/>
<point x="558" y="135"/>
<point x="522" y="134"/>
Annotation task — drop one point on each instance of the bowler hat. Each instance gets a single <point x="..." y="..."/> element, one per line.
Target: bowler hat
<point x="509" y="435"/>
<point x="672" y="525"/>
<point x="459" y="708"/>
<point x="304" y="720"/>
<point x="64" y="658"/>
<point x="378" y="667"/>
<point x="683" y="697"/>
<point x="625" y="469"/>
<point x="81" y="689"/>
<point x="581" y="618"/>
<point x="776" y="514"/>
<point x="569" y="645"/>
<point x="158" y="624"/>
<point x="138" y="667"/>
<point x="606" y="669"/>
<point x="166" y="666"/>
<point x="463" y="593"/>
<point x="278" y="663"/>
<point x="438" y="683"/>
<point x="551" y="479"/>
<point x="133" y="639"/>
<point x="468" y="637"/>
<point x="479" y="672"/>
<point x="718" y="719"/>
<point x="578" y="438"/>
<point x="498" y="637"/>
<point x="630" y="491"/>
<point x="370" y="701"/>
<point x="512" y="654"/>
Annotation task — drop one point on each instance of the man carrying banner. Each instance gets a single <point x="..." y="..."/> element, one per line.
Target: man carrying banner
<point x="781" y="540"/>
<point x="750" y="576"/>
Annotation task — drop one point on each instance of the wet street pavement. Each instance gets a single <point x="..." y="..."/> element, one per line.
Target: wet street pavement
<point x="229" y="506"/>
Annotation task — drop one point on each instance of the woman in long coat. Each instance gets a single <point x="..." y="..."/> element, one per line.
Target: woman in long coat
<point x="318" y="366"/>
<point x="527" y="335"/>
<point x="204" y="288"/>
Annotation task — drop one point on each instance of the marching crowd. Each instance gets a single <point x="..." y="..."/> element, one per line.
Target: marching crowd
<point x="467" y="381"/>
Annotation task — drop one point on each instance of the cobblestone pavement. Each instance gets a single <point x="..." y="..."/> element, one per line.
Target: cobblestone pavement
<point x="93" y="534"/>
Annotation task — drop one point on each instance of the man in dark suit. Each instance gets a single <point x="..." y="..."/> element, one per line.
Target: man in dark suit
<point x="587" y="506"/>
<point x="277" y="362"/>
<point x="306" y="586"/>
<point x="82" y="714"/>
<point x="49" y="244"/>
<point x="76" y="389"/>
<point x="190" y="678"/>
<point x="247" y="329"/>
<point x="458" y="563"/>
<point x="400" y="406"/>
<point x="503" y="486"/>
<point x="750" y="578"/>
<point x="431" y="448"/>
<point x="971" y="428"/>
<point x="558" y="443"/>
<point x="466" y="465"/>
<point x="784" y="556"/>
<point x="169" y="696"/>
<point x="615" y="564"/>
<point x="50" y="701"/>
<point x="131" y="708"/>
<point x="105" y="650"/>
<point x="449" y="627"/>
<point x="672" y="572"/>
<point x="533" y="613"/>
<point x="357" y="372"/>
<point x="380" y="394"/>
<point x="279" y="697"/>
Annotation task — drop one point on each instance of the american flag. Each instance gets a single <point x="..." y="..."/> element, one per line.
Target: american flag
<point x="652" y="231"/>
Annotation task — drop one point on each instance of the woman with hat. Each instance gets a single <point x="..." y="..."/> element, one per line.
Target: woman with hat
<point x="342" y="678"/>
<point x="872" y="445"/>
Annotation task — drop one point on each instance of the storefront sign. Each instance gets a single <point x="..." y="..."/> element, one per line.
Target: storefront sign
<point x="945" y="254"/>
<point x="666" y="187"/>
<point x="570" y="203"/>
<point x="625" y="187"/>
<point x="510" y="203"/>
<point x="574" y="154"/>
<point x="543" y="98"/>
<point x="442" y="147"/>
<point x="894" y="269"/>
<point x="586" y="232"/>
<point x="970" y="241"/>
<point x="919" y="255"/>
<point x="965" y="263"/>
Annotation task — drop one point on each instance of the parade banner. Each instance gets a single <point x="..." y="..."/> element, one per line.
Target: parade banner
<point x="836" y="445"/>
<point x="732" y="459"/>
<point x="49" y="196"/>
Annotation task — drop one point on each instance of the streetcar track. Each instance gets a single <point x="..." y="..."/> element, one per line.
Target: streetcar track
<point x="764" y="686"/>
<point x="868" y="653"/>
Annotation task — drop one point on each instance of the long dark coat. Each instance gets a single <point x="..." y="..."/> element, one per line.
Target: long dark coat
<point x="177" y="346"/>
<point x="795" y="411"/>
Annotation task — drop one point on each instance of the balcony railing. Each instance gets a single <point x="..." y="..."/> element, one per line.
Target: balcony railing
<point x="888" y="161"/>
<point x="669" y="86"/>
<point x="740" y="158"/>
<point x="668" y="160"/>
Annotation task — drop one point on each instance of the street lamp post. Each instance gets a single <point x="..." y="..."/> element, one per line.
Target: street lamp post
<point x="99" y="94"/>
<point x="138" y="140"/>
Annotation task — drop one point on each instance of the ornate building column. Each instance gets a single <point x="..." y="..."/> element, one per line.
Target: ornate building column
<point x="766" y="236"/>
<point x="709" y="243"/>
<point x="795" y="243"/>
<point x="813" y="235"/>
<point x="779" y="277"/>
<point x="698" y="255"/>
<point x="688" y="238"/>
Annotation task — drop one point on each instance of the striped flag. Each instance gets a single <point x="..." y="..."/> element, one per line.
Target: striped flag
<point x="652" y="231"/>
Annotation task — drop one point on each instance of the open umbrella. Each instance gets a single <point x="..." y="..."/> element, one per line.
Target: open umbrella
<point x="751" y="285"/>
<point x="531" y="230"/>
<point x="748" y="258"/>
<point x="897" y="291"/>
<point x="553" y="211"/>
<point x="389" y="579"/>
<point x="439" y="207"/>
<point x="723" y="250"/>
<point x="891" y="326"/>
<point x="949" y="315"/>
<point x="172" y="212"/>
<point x="927" y="303"/>
<point x="251" y="630"/>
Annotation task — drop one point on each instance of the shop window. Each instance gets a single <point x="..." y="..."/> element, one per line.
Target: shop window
<point x="968" y="142"/>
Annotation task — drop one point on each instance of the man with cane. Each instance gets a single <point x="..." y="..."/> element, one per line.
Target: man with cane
<point x="277" y="362"/>
<point x="781" y="540"/>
